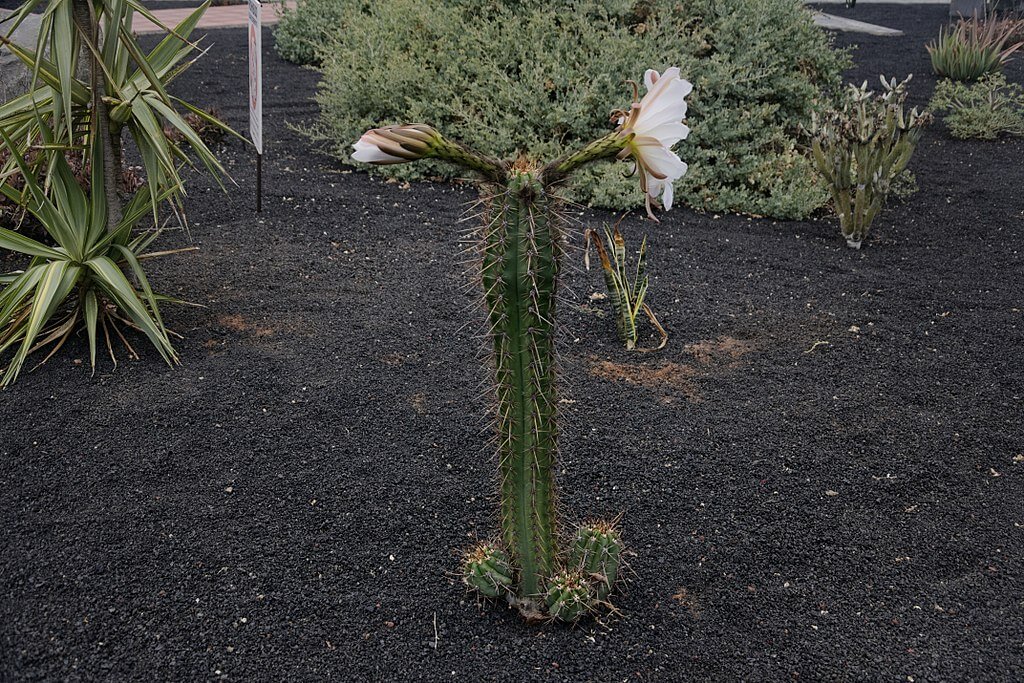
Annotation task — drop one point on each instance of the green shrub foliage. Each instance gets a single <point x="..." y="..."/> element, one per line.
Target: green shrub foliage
<point x="985" y="109"/>
<point x="309" y="25"/>
<point x="506" y="76"/>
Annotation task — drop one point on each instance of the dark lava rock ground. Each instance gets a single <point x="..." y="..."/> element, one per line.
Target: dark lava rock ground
<point x="820" y="476"/>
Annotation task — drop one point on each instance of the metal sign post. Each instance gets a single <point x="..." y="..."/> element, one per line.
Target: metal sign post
<point x="256" y="92"/>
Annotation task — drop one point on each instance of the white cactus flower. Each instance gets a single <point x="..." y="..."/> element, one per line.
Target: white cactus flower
<point x="656" y="123"/>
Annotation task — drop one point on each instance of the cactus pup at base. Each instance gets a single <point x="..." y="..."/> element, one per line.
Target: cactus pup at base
<point x="520" y="247"/>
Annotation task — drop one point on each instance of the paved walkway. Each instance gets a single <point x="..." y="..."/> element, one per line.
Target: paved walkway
<point x="834" y="23"/>
<point x="224" y="16"/>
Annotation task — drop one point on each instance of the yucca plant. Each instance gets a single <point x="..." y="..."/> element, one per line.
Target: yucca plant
<point x="627" y="294"/>
<point x="79" y="281"/>
<point x="520" y="246"/>
<point x="861" y="147"/>
<point x="84" y="279"/>
<point x="973" y="48"/>
<point x="133" y="95"/>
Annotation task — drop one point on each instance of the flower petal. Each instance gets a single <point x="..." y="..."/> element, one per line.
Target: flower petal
<point x="668" y="107"/>
<point x="650" y="78"/>
<point x="368" y="151"/>
<point x="669" y="134"/>
<point x="657" y="125"/>
<point x="657" y="84"/>
<point x="658" y="159"/>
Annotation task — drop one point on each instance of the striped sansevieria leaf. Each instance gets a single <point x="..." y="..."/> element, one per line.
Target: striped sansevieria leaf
<point x="627" y="293"/>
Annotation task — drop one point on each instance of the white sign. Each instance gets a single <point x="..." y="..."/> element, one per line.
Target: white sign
<point x="256" y="74"/>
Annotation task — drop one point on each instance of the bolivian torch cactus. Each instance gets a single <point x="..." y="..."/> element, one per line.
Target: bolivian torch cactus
<point x="520" y="248"/>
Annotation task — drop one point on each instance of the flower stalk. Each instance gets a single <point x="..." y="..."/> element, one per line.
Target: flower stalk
<point x="414" y="141"/>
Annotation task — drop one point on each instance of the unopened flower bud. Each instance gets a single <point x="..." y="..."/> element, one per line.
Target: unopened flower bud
<point x="396" y="144"/>
<point x="413" y="141"/>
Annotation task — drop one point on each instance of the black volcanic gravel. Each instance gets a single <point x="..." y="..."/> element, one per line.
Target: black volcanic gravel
<point x="820" y="474"/>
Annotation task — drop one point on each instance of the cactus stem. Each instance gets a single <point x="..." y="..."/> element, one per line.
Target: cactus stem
<point x="519" y="271"/>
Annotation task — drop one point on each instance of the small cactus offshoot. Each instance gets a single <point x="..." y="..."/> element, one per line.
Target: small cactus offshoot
<point x="597" y="553"/>
<point x="520" y="247"/>
<point x="628" y="295"/>
<point x="487" y="571"/>
<point x="861" y="147"/>
<point x="570" y="596"/>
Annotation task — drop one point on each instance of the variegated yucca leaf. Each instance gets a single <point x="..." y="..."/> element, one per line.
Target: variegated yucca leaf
<point x="81" y="279"/>
<point x="135" y="95"/>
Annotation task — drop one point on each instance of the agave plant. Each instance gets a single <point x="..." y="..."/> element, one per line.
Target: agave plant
<point x="973" y="48"/>
<point x="81" y="280"/>
<point x="134" y="95"/>
<point x="628" y="294"/>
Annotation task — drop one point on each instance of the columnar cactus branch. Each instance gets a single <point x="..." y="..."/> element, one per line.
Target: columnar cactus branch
<point x="608" y="146"/>
<point x="520" y="275"/>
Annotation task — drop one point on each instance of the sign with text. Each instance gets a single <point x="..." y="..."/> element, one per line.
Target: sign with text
<point x="256" y="74"/>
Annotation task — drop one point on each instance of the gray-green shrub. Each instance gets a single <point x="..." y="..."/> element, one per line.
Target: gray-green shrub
<point x="985" y="109"/>
<point x="476" y="67"/>
<point x="309" y="25"/>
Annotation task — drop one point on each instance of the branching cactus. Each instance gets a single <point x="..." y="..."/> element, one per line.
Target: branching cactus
<point x="520" y="246"/>
<point x="861" y="147"/>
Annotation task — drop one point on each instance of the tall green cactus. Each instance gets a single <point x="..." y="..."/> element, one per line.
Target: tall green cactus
<point x="519" y="272"/>
<point x="520" y="256"/>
